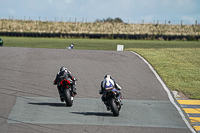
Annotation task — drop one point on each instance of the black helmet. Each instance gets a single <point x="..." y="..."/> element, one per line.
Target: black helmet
<point x="63" y="68"/>
<point x="107" y="76"/>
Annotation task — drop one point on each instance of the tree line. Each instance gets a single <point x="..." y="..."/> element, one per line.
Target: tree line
<point x="110" y="20"/>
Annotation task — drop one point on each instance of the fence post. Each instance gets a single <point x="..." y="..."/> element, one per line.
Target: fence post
<point x="75" y="22"/>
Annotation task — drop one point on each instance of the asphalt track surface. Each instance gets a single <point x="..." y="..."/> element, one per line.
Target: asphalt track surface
<point x="29" y="101"/>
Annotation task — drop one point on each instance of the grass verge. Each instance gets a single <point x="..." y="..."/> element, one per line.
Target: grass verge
<point x="179" y="67"/>
<point x="94" y="44"/>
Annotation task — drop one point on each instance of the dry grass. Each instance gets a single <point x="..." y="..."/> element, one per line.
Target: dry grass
<point x="96" y="28"/>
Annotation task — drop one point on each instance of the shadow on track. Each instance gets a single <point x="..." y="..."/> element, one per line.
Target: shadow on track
<point x="50" y="104"/>
<point x="93" y="113"/>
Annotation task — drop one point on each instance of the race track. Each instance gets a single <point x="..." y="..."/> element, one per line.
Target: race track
<point x="29" y="101"/>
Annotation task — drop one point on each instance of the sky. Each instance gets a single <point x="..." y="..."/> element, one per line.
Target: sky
<point x="130" y="11"/>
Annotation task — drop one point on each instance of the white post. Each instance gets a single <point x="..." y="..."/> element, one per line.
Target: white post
<point x="120" y="47"/>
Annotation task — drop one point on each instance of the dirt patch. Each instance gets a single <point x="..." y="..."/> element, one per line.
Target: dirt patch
<point x="182" y="95"/>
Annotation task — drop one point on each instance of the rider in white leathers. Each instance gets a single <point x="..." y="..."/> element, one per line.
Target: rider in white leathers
<point x="107" y="84"/>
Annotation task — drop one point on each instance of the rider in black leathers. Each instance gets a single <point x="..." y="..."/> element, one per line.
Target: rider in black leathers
<point x="64" y="74"/>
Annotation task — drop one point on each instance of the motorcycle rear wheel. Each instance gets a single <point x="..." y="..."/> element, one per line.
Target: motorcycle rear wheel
<point x="67" y="97"/>
<point x="114" y="108"/>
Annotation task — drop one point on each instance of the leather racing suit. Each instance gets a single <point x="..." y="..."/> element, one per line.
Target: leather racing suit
<point x="64" y="75"/>
<point x="106" y="85"/>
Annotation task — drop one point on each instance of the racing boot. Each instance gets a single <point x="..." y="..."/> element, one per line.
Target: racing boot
<point x="108" y="108"/>
<point x="61" y="95"/>
<point x="119" y="100"/>
<point x="74" y="90"/>
<point x="61" y="98"/>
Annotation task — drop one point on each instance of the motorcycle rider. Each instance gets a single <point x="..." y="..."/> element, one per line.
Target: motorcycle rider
<point x="72" y="46"/>
<point x="64" y="74"/>
<point x="107" y="84"/>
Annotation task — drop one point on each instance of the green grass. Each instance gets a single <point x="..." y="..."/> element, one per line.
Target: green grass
<point x="94" y="44"/>
<point x="179" y="67"/>
<point x="177" y="62"/>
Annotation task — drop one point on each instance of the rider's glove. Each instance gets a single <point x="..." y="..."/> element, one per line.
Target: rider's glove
<point x="54" y="82"/>
<point x="74" y="79"/>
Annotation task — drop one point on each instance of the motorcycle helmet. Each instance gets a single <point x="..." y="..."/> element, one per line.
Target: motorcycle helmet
<point x="107" y="76"/>
<point x="63" y="68"/>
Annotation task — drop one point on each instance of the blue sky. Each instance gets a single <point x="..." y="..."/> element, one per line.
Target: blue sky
<point x="132" y="11"/>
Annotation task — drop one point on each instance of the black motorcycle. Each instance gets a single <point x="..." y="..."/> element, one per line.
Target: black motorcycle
<point x="67" y="92"/>
<point x="114" y="101"/>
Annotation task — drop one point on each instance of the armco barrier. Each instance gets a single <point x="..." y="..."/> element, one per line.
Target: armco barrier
<point x="99" y="36"/>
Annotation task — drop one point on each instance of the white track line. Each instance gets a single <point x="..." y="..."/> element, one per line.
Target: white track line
<point x="168" y="92"/>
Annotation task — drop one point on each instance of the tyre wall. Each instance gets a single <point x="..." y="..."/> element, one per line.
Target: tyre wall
<point x="101" y="36"/>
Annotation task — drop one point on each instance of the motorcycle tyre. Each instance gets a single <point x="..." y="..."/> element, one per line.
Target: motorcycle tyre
<point x="114" y="107"/>
<point x="67" y="97"/>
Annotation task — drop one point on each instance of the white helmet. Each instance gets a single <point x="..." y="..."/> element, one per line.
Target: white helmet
<point x="63" y="68"/>
<point x="107" y="76"/>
